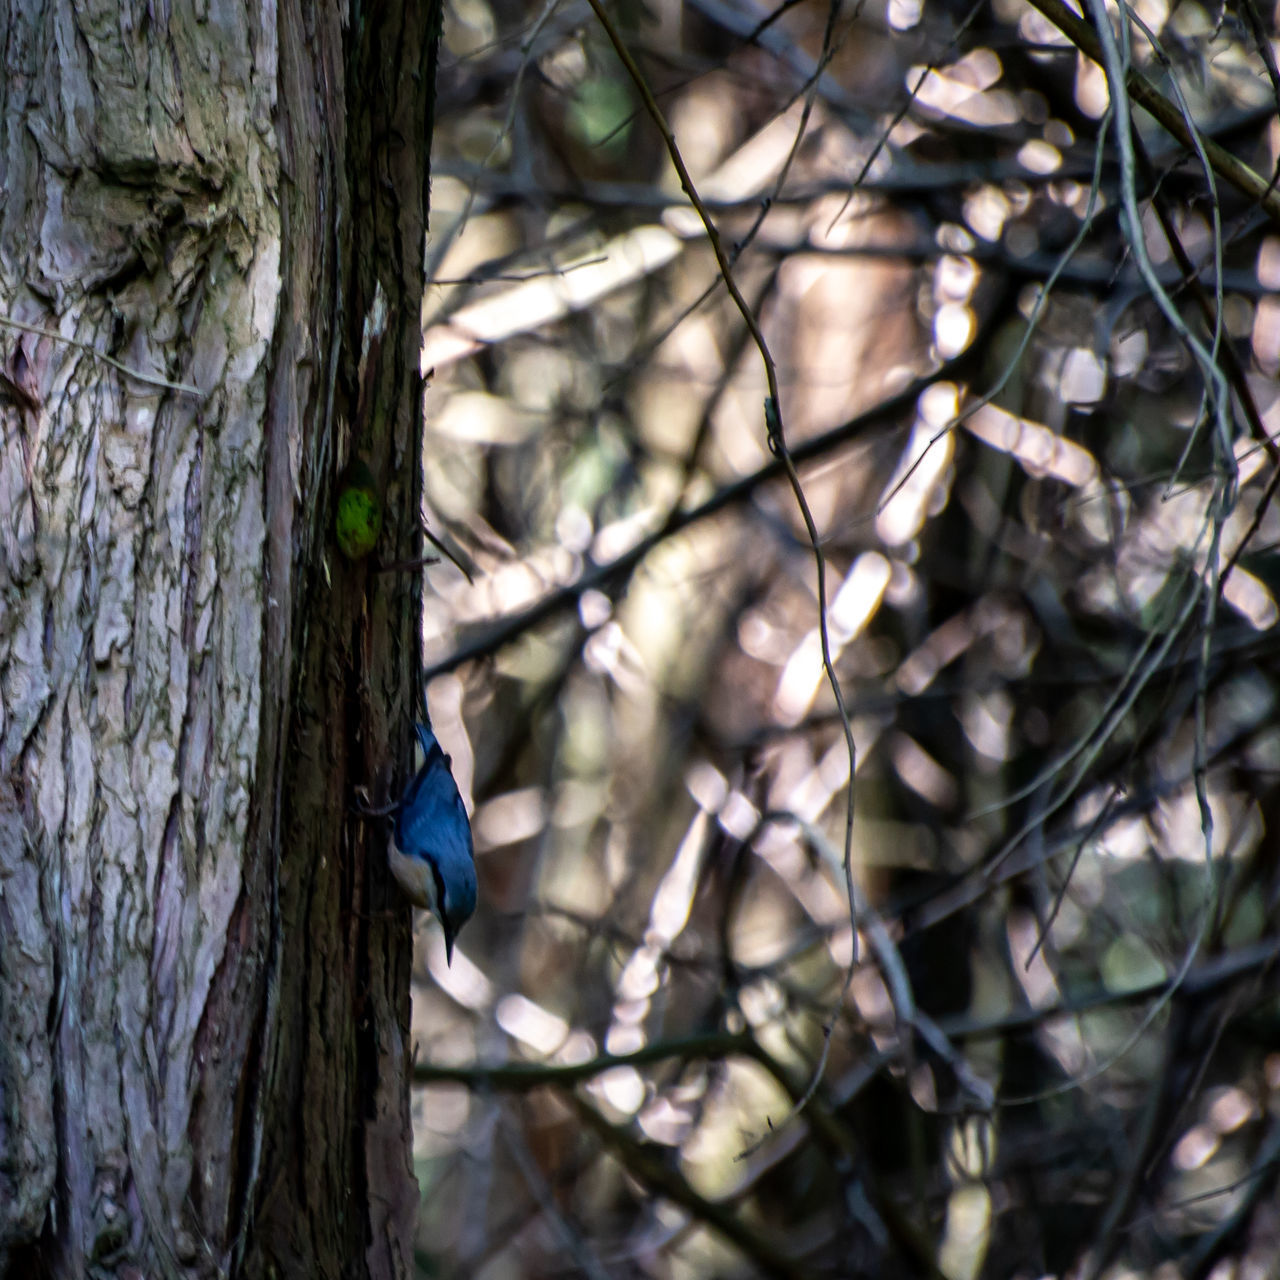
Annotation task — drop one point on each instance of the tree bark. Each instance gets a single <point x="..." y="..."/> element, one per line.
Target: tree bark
<point x="203" y="966"/>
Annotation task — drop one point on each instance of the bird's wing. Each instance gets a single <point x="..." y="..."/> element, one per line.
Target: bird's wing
<point x="432" y="817"/>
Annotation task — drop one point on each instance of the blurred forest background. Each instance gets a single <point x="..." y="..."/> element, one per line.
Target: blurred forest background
<point x="1026" y="335"/>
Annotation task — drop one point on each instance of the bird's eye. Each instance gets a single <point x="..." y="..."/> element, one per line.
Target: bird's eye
<point x="439" y="879"/>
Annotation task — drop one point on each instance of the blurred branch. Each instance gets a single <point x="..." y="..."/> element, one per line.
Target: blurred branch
<point x="1248" y="10"/>
<point x="765" y="205"/>
<point x="892" y="970"/>
<point x="1211" y="1248"/>
<point x="516" y="277"/>
<point x="746" y="20"/>
<point x="1033" y="266"/>
<point x="643" y="1163"/>
<point x="521" y="1076"/>
<point x="774" y="422"/>
<point x="1036" y="624"/>
<point x="907" y="177"/>
<point x="972" y="884"/>
<point x="1226" y="165"/>
<point x="1013" y="364"/>
<point x="602" y="577"/>
<point x="841" y="1145"/>
<point x="1243" y="645"/>
<point x="714" y="1046"/>
<point x="1150" y="1126"/>
<point x="1211" y="315"/>
<point x="513" y="104"/>
<point x="536" y="1181"/>
<point x="881" y="143"/>
<point x="1204" y="978"/>
<point x="1118" y="72"/>
<point x="1116" y="66"/>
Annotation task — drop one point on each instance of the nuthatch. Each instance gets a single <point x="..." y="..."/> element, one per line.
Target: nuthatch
<point x="432" y="858"/>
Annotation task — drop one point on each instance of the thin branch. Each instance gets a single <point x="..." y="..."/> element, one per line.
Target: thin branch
<point x="521" y="1076"/>
<point x="1225" y="165"/>
<point x="774" y="426"/>
<point x="151" y="379"/>
<point x="600" y="577"/>
<point x="643" y="1162"/>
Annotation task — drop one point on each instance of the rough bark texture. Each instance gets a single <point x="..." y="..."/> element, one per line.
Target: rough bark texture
<point x="203" y="969"/>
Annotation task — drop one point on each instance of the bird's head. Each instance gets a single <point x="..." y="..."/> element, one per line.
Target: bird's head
<point x="455" y="899"/>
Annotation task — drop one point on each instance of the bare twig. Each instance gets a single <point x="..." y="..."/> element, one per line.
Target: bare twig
<point x="774" y="425"/>
<point x="1226" y="165"/>
<point x="151" y="379"/>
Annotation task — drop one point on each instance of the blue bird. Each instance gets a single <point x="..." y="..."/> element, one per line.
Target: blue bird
<point x="432" y="858"/>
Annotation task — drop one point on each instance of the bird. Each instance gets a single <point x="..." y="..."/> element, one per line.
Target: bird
<point x="432" y="856"/>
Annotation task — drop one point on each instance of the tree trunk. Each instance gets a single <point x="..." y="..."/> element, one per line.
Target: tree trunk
<point x="203" y="966"/>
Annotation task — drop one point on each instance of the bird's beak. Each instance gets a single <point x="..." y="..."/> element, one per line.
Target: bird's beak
<point x="448" y="943"/>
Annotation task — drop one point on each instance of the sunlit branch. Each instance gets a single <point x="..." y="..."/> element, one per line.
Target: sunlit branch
<point x="605" y="577"/>
<point x="520" y="1076"/>
<point x="1226" y="165"/>
<point x="775" y="428"/>
<point x="642" y="1161"/>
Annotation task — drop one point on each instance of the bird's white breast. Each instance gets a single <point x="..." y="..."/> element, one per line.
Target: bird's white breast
<point x="414" y="876"/>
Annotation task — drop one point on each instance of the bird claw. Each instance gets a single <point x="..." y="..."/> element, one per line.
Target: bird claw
<point x="367" y="810"/>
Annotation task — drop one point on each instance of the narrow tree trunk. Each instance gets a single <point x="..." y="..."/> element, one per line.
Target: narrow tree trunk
<point x="203" y="968"/>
